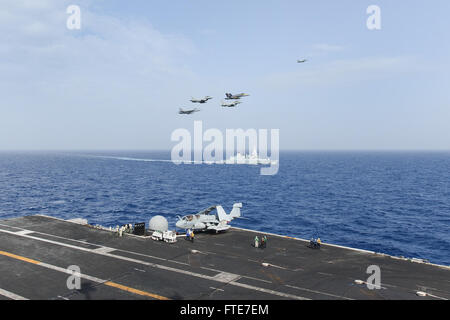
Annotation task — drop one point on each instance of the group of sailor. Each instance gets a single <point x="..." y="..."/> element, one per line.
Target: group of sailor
<point x="263" y="243"/>
<point x="190" y="235"/>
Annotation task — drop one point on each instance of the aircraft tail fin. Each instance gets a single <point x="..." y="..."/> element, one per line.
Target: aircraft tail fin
<point x="235" y="213"/>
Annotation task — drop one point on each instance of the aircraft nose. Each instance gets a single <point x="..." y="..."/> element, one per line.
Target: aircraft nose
<point x="179" y="224"/>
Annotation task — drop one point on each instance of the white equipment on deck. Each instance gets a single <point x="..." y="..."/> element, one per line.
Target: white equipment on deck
<point x="166" y="236"/>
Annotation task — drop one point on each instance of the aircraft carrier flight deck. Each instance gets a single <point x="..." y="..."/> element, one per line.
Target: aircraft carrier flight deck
<point x="37" y="254"/>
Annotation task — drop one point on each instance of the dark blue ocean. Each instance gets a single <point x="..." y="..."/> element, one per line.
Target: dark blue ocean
<point x="392" y="202"/>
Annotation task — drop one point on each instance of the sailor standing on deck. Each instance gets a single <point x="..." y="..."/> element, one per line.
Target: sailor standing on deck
<point x="192" y="236"/>
<point x="264" y="241"/>
<point x="256" y="242"/>
<point x="188" y="234"/>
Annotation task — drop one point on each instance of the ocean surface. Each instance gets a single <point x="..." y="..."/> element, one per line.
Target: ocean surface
<point x="392" y="202"/>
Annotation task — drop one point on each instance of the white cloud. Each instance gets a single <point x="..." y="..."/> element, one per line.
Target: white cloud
<point x="31" y="34"/>
<point x="55" y="80"/>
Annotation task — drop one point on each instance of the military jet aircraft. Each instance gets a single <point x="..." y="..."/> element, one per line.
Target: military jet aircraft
<point x="231" y="104"/>
<point x="301" y="61"/>
<point x="230" y="96"/>
<point x="204" y="100"/>
<point x="205" y="220"/>
<point x="190" y="111"/>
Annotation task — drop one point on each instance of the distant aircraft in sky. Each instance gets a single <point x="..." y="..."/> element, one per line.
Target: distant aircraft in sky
<point x="204" y="100"/>
<point x="231" y="104"/>
<point x="230" y="96"/>
<point x="301" y="61"/>
<point x="190" y="111"/>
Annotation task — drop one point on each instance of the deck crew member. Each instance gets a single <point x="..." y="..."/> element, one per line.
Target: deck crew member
<point x="264" y="241"/>
<point x="188" y="234"/>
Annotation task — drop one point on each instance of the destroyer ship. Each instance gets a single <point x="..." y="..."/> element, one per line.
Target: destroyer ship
<point x="251" y="159"/>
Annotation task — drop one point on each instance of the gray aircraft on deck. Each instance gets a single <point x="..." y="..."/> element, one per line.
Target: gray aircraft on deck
<point x="205" y="220"/>
<point x="230" y="96"/>
<point x="190" y="111"/>
<point x="231" y="104"/>
<point x="204" y="100"/>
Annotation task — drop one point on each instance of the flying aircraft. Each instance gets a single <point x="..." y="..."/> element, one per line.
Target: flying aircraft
<point x="204" y="100"/>
<point x="230" y="96"/>
<point x="301" y="61"/>
<point x="231" y="104"/>
<point x="205" y="220"/>
<point x="190" y="111"/>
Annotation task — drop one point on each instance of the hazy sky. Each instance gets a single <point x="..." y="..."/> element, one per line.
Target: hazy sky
<point x="118" y="82"/>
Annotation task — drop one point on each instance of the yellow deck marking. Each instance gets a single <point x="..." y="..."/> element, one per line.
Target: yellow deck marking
<point x="108" y="283"/>
<point x="136" y="291"/>
<point x="11" y="255"/>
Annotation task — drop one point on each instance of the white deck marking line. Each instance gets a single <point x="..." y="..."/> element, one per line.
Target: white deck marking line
<point x="267" y="281"/>
<point x="162" y="267"/>
<point x="319" y="292"/>
<point x="216" y="289"/>
<point x="24" y="232"/>
<point x="89" y="243"/>
<point x="153" y="257"/>
<point x="248" y="277"/>
<point x="227" y="277"/>
<point x="279" y="267"/>
<point x="64" y="270"/>
<point x="97" y="245"/>
<point x="81" y="275"/>
<point x="437" y="297"/>
<point x="11" y="295"/>
<point x="104" y="249"/>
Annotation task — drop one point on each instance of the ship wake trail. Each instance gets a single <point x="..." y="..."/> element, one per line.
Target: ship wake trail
<point x="127" y="158"/>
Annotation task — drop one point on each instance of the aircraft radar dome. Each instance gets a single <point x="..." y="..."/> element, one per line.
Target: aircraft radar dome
<point x="158" y="223"/>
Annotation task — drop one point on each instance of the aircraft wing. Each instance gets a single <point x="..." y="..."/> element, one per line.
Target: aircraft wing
<point x="219" y="227"/>
<point x="208" y="210"/>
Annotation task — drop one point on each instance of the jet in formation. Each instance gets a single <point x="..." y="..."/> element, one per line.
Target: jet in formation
<point x="301" y="61"/>
<point x="189" y="111"/>
<point x="231" y="104"/>
<point x="230" y="96"/>
<point x="204" y="100"/>
<point x="205" y="220"/>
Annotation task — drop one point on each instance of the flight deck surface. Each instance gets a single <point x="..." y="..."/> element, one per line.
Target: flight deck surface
<point x="35" y="252"/>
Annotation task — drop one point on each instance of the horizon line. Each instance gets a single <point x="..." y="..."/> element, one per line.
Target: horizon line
<point x="169" y="150"/>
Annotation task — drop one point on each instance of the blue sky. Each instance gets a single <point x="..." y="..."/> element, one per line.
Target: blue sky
<point x="118" y="82"/>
